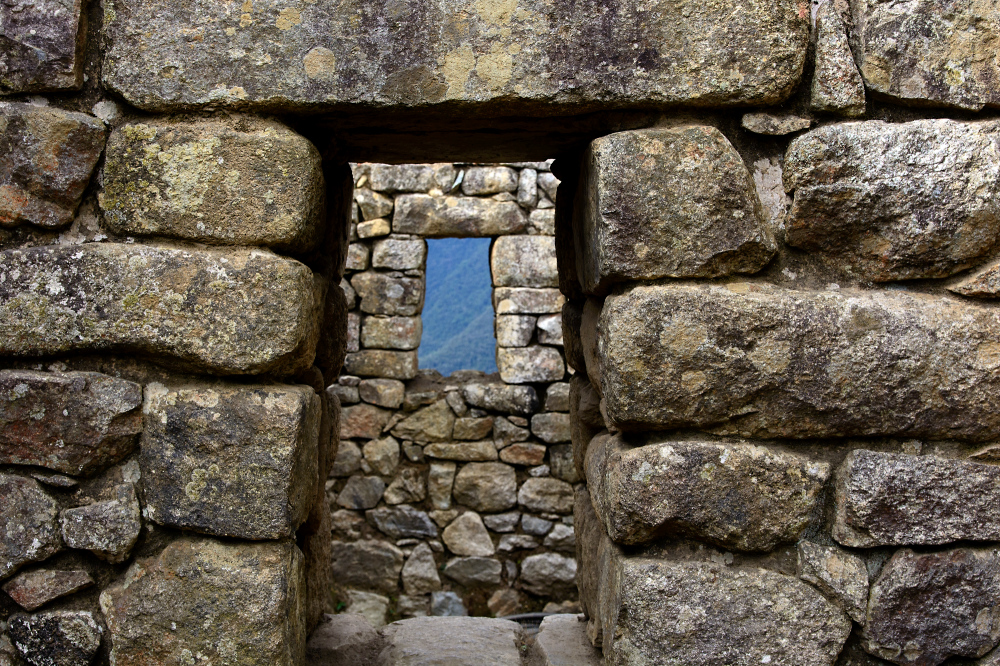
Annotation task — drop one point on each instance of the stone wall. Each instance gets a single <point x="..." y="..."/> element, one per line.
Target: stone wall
<point x="458" y="487"/>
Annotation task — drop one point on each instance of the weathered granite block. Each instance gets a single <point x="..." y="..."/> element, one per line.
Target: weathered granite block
<point x="42" y="46"/>
<point x="385" y="294"/>
<point x="456" y="217"/>
<point x="412" y="177"/>
<point x="484" y="180"/>
<point x="894" y="499"/>
<point x="242" y="603"/>
<point x="237" y="180"/>
<point x="382" y="363"/>
<point x="523" y="365"/>
<point x="46" y="157"/>
<point x="391" y="332"/>
<point x="837" y="86"/>
<point x="224" y="311"/>
<point x="526" y="300"/>
<point x="109" y="529"/>
<point x="896" y="201"/>
<point x="501" y="397"/>
<point x="56" y="638"/>
<point x="736" y="496"/>
<point x="230" y="460"/>
<point x="674" y="202"/>
<point x="486" y="486"/>
<point x="754" y="360"/>
<point x="73" y="422"/>
<point x="367" y="565"/>
<point x="510" y="58"/>
<point x="34" y="589"/>
<point x="31" y="523"/>
<point x="524" y="261"/>
<point x="399" y="254"/>
<point x="837" y="573"/>
<point x="452" y="640"/>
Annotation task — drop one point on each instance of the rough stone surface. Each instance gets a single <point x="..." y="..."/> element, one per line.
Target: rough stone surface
<point x="34" y="589"/>
<point x="928" y="52"/>
<point x="361" y="492"/>
<point x="753" y="57"/>
<point x="373" y="607"/>
<point x="47" y="155"/>
<point x="362" y="422"/>
<point x="420" y="573"/>
<point x="527" y="300"/>
<point x="501" y="397"/>
<point x="738" y="496"/>
<point x="474" y="571"/>
<point x="482" y="451"/>
<point x="514" y="330"/>
<point x="489" y="180"/>
<point x="230" y="460"/>
<point x="487" y="486"/>
<point x="523" y="365"/>
<point x="836" y="86"/>
<point x="427" y="641"/>
<point x="374" y="206"/>
<point x="402" y="522"/>
<point x="383" y="294"/>
<point x="156" y="614"/>
<point x="382" y="392"/>
<point x="42" y="44"/>
<point x="562" y="641"/>
<point x="982" y="283"/>
<point x="676" y="202"/>
<point x="548" y="574"/>
<point x="546" y="495"/>
<point x="440" y="478"/>
<point x="804" y="364"/>
<point x="837" y="573"/>
<point x="472" y="428"/>
<point x="56" y="638"/>
<point x="30" y="519"/>
<point x="74" y="422"/>
<point x="927" y="607"/>
<point x="394" y="178"/>
<point x="447" y="604"/>
<point x="343" y="639"/>
<point x="382" y="455"/>
<point x="773" y="124"/>
<point x="347" y="461"/>
<point x="523" y="454"/>
<point x="456" y="217"/>
<point x="550" y="330"/>
<point x="896" y="201"/>
<point x="109" y="529"/>
<point x="391" y="332"/>
<point x="524" y="261"/>
<point x="894" y="499"/>
<point x="430" y="424"/>
<point x="400" y="365"/>
<point x="408" y="486"/>
<point x="399" y="254"/>
<point x="231" y="311"/>
<point x="466" y="535"/>
<point x="367" y="565"/>
<point x="234" y="181"/>
<point x="551" y="428"/>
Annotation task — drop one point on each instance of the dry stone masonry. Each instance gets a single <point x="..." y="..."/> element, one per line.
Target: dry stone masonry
<point x="746" y="320"/>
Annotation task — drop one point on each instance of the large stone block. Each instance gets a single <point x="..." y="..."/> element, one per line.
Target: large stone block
<point x="237" y="603"/>
<point x="527" y="300"/>
<point x="765" y="362"/>
<point x="412" y="177"/>
<point x="456" y="217"/>
<point x="382" y="363"/>
<point x="896" y="201"/>
<point x="523" y="365"/>
<point x="837" y="86"/>
<point x="237" y="461"/>
<point x="501" y="397"/>
<point x="367" y="565"/>
<point x="894" y="499"/>
<point x="928" y="52"/>
<point x="56" y="638"/>
<point x="524" y="261"/>
<point x="384" y="294"/>
<point x="399" y="254"/>
<point x="675" y="202"/>
<point x="509" y="58"/>
<point x="391" y="332"/>
<point x="46" y="157"/>
<point x="486" y="486"/>
<point x="73" y="422"/>
<point x="223" y="311"/>
<point x="109" y="528"/>
<point x="231" y="181"/>
<point x="31" y="523"/>
<point x="42" y="45"/>
<point x="737" y="496"/>
<point x="424" y="641"/>
<point x="926" y="607"/>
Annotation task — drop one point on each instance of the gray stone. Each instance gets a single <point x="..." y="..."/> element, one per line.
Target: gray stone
<point x="343" y="639"/>
<point x="349" y="294"/>
<point x="562" y="464"/>
<point x="500" y="397"/>
<point x="486" y="180"/>
<point x="393" y="178"/>
<point x="502" y="522"/>
<point x="487" y="486"/>
<point x="31" y="526"/>
<point x="391" y="332"/>
<point x="949" y="53"/>
<point x="47" y="155"/>
<point x="550" y="330"/>
<point x="505" y="601"/>
<point x="456" y="402"/>
<point x="649" y="210"/>
<point x="374" y="228"/>
<point x="982" y="283"/>
<point x="807" y="364"/>
<point x="512" y="542"/>
<point x="542" y="222"/>
<point x="428" y="641"/>
<point x="474" y="571"/>
<point x="402" y="522"/>
<point x="893" y="201"/>
<point x="367" y="565"/>
<point x="353" y="342"/>
<point x="837" y="573"/>
<point x="773" y="124"/>
<point x="363" y="421"/>
<point x="234" y="180"/>
<point x="408" y="486"/>
<point x="896" y="499"/>
<point x="551" y="428"/>
<point x="73" y="422"/>
<point x="527" y="189"/>
<point x="562" y="641"/>
<point x="33" y="589"/>
<point x="357" y="257"/>
<point x="562" y="537"/>
<point x="233" y="311"/>
<point x="836" y="86"/>
<point x="514" y="330"/>
<point x="382" y="363"/>
<point x="549" y="184"/>
<point x="56" y="638"/>
<point x="523" y="365"/>
<point x="230" y="460"/>
<point x="348" y="460"/>
<point x="440" y="478"/>
<point x="383" y="294"/>
<point x="373" y="607"/>
<point x="927" y="607"/>
<point x="526" y="454"/>
<point x="466" y="535"/>
<point x="482" y="451"/>
<point x="420" y="573"/>
<point x="535" y="525"/>
<point x="373" y="205"/>
<point x="430" y="424"/>
<point x="156" y="614"/>
<point x="399" y="254"/>
<point x="413" y="606"/>
<point x="471" y="428"/>
<point x="738" y="496"/>
<point x="108" y="529"/>
<point x="506" y="433"/>
<point x="382" y="392"/>
<point x="361" y="492"/>
<point x="548" y="574"/>
<point x="43" y="46"/>
<point x="524" y="261"/>
<point x="456" y="217"/>
<point x="557" y="397"/>
<point x="527" y="300"/>
<point x="382" y="455"/>
<point x="546" y="496"/>
<point x="447" y="604"/>
<point x="753" y="57"/>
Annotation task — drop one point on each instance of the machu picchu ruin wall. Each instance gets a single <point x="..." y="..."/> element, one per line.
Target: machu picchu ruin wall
<point x="745" y="263"/>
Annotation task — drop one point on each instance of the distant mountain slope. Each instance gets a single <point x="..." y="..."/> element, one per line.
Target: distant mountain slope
<point x="458" y="314"/>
